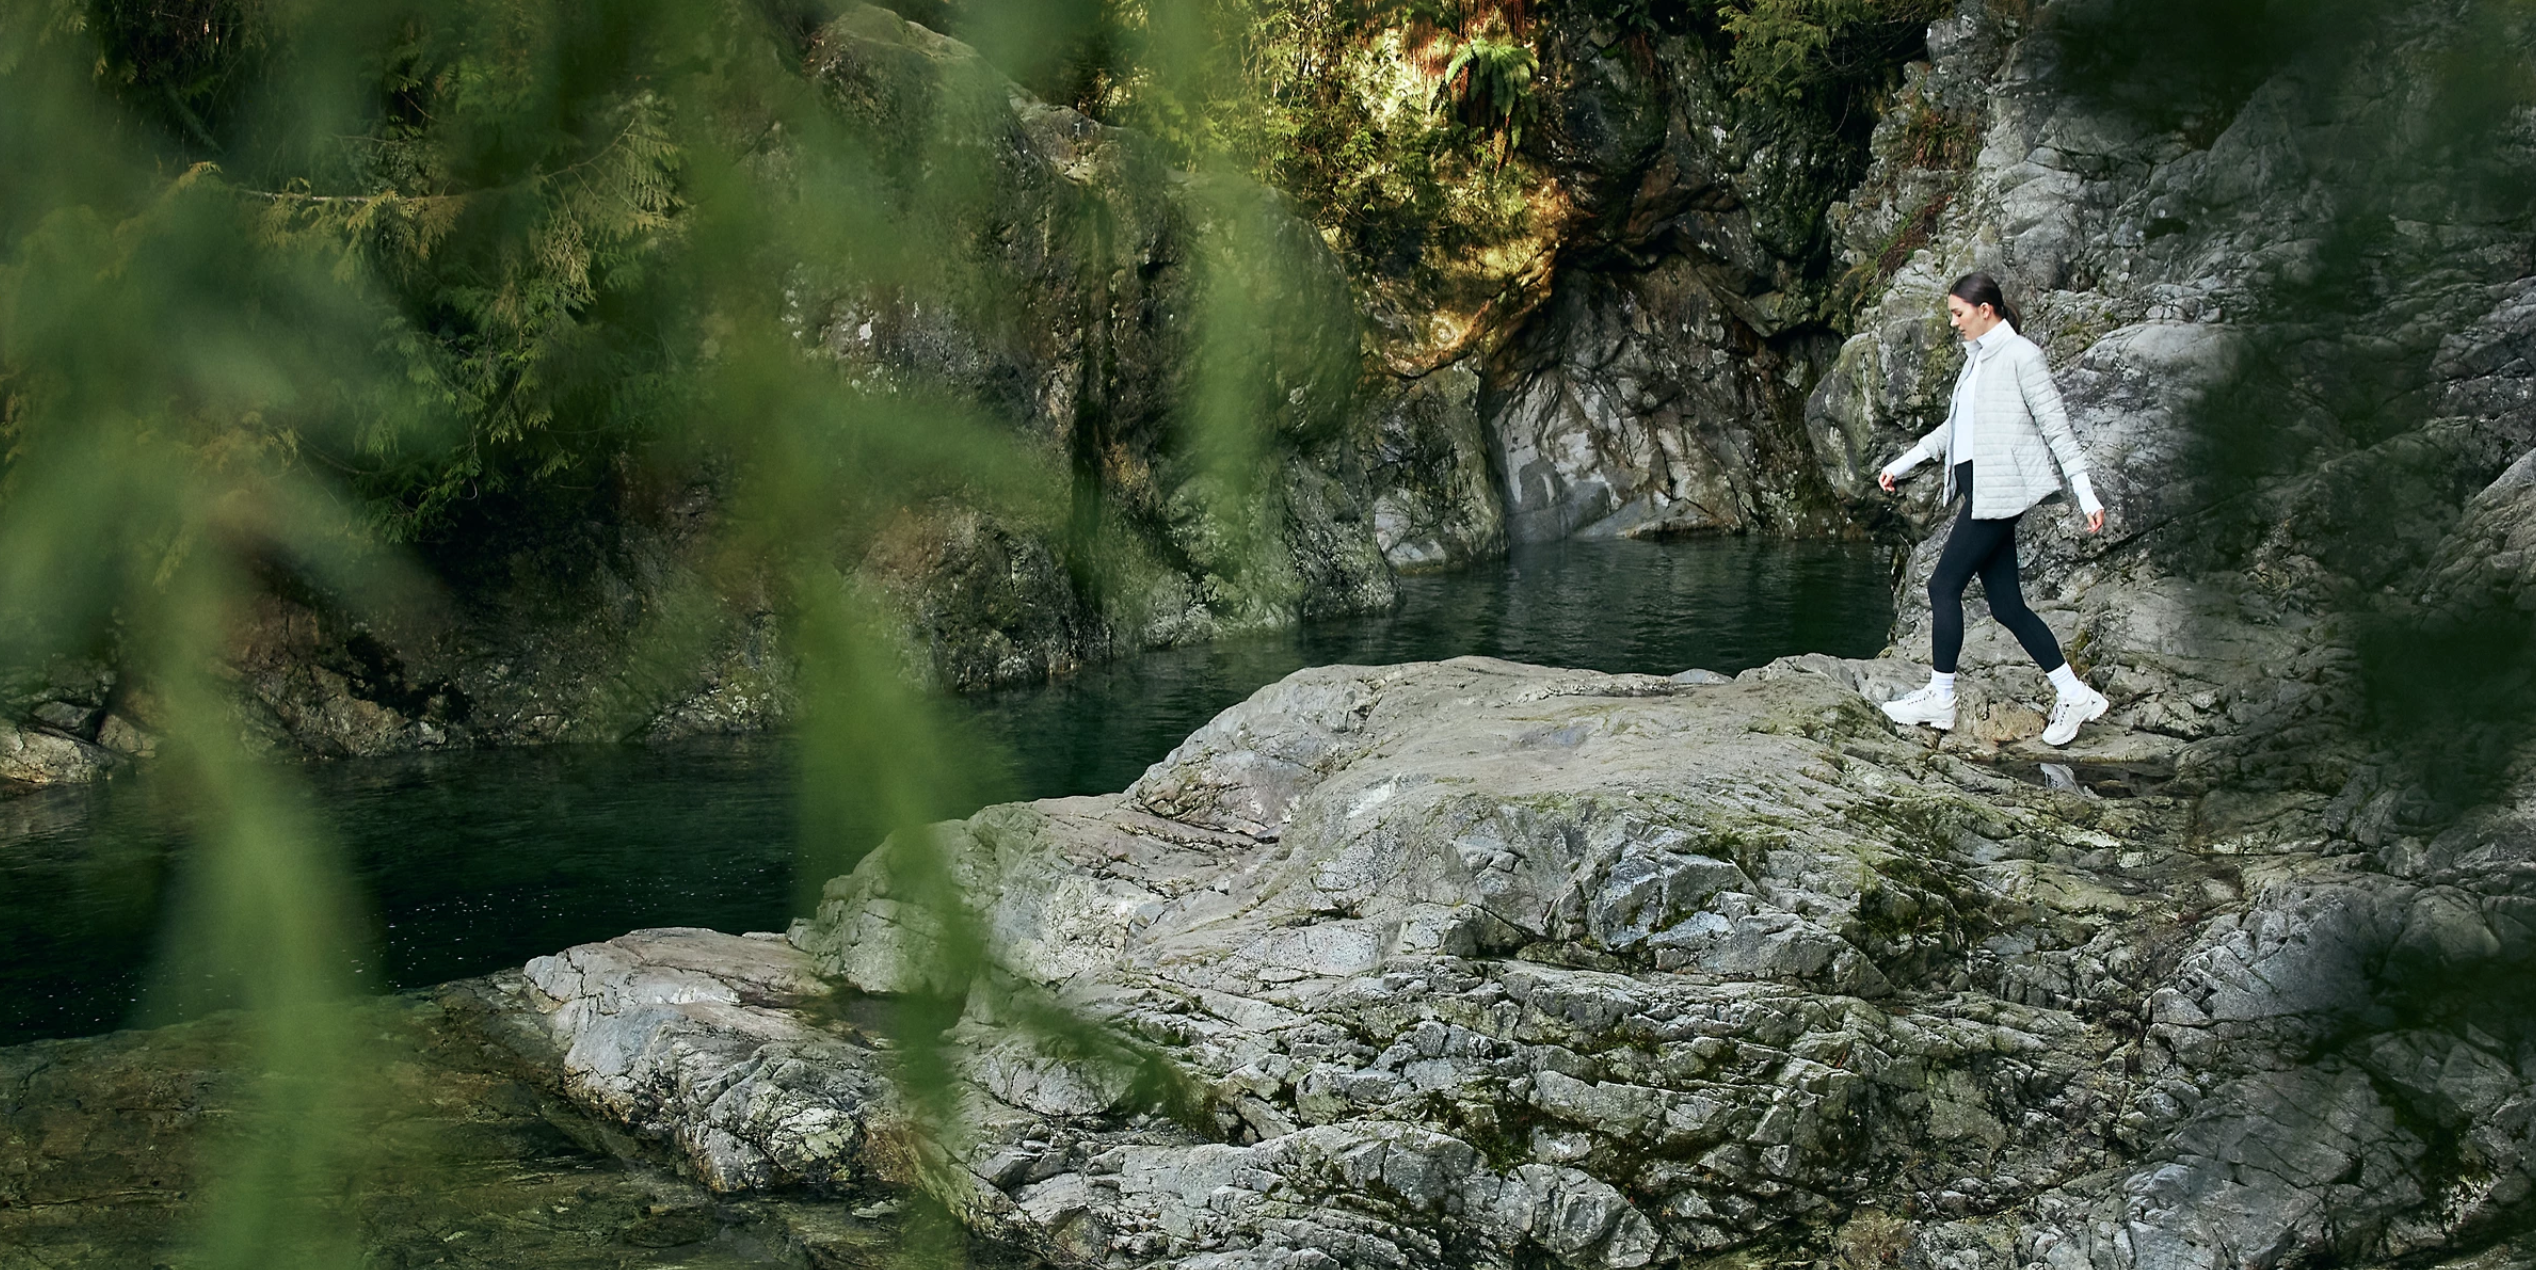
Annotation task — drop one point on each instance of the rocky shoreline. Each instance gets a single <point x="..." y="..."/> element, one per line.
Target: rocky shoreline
<point x="1476" y="963"/>
<point x="1489" y="964"/>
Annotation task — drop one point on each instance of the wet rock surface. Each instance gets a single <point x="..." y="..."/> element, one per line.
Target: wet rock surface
<point x="46" y="754"/>
<point x="1439" y="507"/>
<point x="70" y="725"/>
<point x="1472" y="963"/>
<point x="686" y="1034"/>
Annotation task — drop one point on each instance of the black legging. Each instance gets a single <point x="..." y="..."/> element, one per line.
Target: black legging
<point x="1988" y="548"/>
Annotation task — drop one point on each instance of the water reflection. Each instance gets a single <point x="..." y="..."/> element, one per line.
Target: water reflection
<point x="1724" y="605"/>
<point x="475" y="861"/>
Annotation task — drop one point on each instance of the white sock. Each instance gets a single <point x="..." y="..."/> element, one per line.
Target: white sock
<point x="1943" y="684"/>
<point x="2065" y="680"/>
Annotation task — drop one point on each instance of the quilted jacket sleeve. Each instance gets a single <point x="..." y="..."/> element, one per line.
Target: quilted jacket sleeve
<point x="1934" y="444"/>
<point x="2043" y="402"/>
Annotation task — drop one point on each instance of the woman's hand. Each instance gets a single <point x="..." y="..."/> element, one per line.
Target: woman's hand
<point x="2096" y="521"/>
<point x="1885" y="479"/>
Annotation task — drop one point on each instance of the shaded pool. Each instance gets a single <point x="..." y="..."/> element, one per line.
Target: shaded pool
<point x="473" y="861"/>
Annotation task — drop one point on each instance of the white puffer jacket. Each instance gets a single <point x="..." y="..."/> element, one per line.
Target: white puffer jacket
<point x="2019" y="439"/>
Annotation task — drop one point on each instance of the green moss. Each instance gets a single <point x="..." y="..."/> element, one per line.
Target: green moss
<point x="1500" y="1130"/>
<point x="1915" y="919"/>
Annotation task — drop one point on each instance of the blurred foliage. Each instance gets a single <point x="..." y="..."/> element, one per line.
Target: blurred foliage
<point x="187" y="63"/>
<point x="284" y="283"/>
<point x="499" y="192"/>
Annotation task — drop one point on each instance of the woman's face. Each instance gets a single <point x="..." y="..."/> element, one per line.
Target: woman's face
<point x="1972" y="321"/>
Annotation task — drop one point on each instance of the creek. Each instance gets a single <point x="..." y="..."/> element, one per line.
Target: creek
<point x="472" y="861"/>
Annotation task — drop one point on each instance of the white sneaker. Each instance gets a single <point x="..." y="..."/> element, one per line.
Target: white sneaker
<point x="2069" y="712"/>
<point x="1924" y="708"/>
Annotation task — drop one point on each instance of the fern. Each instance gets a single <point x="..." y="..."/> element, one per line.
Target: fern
<point x="1489" y="85"/>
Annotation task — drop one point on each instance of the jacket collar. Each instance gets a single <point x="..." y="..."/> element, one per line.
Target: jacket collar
<point x="1993" y="340"/>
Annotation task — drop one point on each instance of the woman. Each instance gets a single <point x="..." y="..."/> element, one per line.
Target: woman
<point x="2003" y="433"/>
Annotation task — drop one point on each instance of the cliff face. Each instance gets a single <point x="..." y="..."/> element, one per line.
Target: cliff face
<point x="1102" y="335"/>
<point x="1627" y="356"/>
<point x="1645" y="334"/>
<point x="1657" y="387"/>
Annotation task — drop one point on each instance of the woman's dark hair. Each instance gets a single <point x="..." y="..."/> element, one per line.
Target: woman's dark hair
<point x="1977" y="289"/>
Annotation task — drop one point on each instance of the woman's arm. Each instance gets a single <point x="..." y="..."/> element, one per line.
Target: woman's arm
<point x="2043" y="402"/>
<point x="1901" y="467"/>
<point x="1930" y="446"/>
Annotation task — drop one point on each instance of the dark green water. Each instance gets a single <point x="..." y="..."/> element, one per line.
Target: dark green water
<point x="474" y="861"/>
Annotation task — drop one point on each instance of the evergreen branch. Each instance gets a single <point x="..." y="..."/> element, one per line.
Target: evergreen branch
<point x="290" y="196"/>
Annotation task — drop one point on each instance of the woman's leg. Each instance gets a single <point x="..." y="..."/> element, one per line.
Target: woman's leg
<point x="1971" y="543"/>
<point x="2007" y="600"/>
